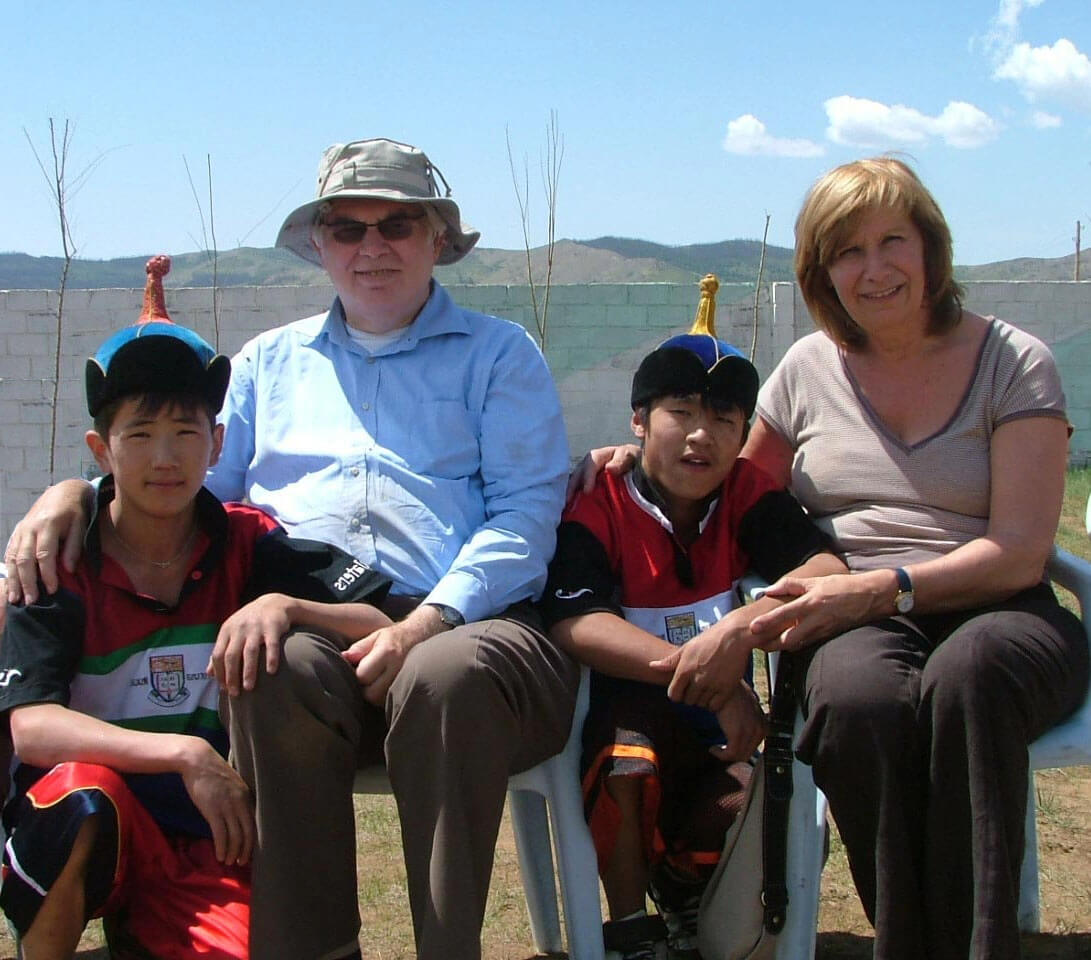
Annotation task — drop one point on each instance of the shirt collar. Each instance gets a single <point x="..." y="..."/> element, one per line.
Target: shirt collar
<point x="439" y="316"/>
<point x="647" y="489"/>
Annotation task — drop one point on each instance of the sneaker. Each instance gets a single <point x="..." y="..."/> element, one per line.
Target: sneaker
<point x="678" y="900"/>
<point x="638" y="938"/>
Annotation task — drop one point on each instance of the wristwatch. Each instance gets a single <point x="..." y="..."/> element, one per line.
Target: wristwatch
<point x="449" y="615"/>
<point x="903" y="599"/>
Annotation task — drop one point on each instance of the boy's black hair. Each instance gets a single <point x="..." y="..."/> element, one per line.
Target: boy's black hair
<point x="151" y="403"/>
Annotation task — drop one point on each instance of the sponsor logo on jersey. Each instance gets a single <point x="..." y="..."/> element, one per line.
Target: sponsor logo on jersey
<point x="350" y="576"/>
<point x="570" y="595"/>
<point x="168" y="680"/>
<point x="681" y="627"/>
<point x="6" y="676"/>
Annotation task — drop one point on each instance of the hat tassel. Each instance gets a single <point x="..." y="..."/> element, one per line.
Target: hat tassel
<point x="705" y="321"/>
<point x="155" y="303"/>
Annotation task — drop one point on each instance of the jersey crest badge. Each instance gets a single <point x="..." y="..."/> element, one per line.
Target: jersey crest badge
<point x="681" y="627"/>
<point x="168" y="680"/>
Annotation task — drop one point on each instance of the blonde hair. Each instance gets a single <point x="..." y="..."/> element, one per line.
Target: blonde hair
<point x="832" y="210"/>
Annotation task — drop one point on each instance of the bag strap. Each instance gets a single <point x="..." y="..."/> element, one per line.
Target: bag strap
<point x="778" y="759"/>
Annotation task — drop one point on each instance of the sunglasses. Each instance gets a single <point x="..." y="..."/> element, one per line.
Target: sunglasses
<point x="352" y="232"/>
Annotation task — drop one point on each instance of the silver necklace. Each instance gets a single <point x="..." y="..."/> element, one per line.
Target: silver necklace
<point x="161" y="564"/>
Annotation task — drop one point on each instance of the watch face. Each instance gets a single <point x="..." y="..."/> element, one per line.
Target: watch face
<point x="904" y="602"/>
<point x="449" y="615"/>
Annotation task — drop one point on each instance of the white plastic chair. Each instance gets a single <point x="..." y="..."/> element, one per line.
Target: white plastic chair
<point x="806" y="855"/>
<point x="1066" y="745"/>
<point x="806" y="838"/>
<point x="543" y="800"/>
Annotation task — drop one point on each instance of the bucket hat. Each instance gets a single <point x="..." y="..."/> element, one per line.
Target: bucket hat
<point x="155" y="355"/>
<point x="377" y="169"/>
<point x="698" y="362"/>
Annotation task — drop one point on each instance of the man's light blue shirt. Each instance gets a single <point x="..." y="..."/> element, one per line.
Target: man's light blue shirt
<point x="440" y="459"/>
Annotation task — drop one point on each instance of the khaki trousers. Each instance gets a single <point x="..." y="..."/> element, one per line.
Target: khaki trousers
<point x="469" y="708"/>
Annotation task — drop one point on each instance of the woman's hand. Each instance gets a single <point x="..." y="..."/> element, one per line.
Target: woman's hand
<point x="816" y="608"/>
<point x="616" y="460"/>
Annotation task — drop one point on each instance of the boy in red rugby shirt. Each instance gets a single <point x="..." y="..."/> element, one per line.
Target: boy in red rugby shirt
<point x="642" y="580"/>
<point x="125" y="806"/>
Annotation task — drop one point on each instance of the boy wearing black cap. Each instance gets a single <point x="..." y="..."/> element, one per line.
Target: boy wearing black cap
<point x="125" y="806"/>
<point x="645" y="563"/>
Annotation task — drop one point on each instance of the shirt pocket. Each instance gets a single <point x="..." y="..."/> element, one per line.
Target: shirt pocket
<point x="440" y="439"/>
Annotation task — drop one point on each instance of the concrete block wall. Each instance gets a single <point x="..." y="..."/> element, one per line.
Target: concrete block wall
<point x="596" y="335"/>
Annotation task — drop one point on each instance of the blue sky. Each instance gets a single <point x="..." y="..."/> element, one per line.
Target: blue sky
<point x="682" y="123"/>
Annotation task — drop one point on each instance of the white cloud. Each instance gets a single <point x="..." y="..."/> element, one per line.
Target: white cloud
<point x="1060" y="72"/>
<point x="856" y="122"/>
<point x="1004" y="27"/>
<point x="1043" y="120"/>
<point x="748" y="135"/>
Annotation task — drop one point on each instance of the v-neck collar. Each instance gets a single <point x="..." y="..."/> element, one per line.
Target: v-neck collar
<point x="880" y="424"/>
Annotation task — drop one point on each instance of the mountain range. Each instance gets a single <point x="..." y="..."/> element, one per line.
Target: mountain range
<point x="603" y="260"/>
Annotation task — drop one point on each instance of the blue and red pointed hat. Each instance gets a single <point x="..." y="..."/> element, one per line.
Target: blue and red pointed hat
<point x="699" y="363"/>
<point x="155" y="355"/>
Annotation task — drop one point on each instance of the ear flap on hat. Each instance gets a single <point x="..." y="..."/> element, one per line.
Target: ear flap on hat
<point x="217" y="378"/>
<point x="94" y="378"/>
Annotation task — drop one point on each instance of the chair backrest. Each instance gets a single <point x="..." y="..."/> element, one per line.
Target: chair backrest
<point x="1069" y="743"/>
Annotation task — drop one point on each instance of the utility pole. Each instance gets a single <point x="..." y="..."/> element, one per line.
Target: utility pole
<point x="1077" y="276"/>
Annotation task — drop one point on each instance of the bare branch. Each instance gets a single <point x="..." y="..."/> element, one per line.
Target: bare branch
<point x="522" y="198"/>
<point x="215" y="255"/>
<point x="197" y="202"/>
<point x="757" y="289"/>
<point x="549" y="165"/>
<point x="59" y="188"/>
<point x="272" y="210"/>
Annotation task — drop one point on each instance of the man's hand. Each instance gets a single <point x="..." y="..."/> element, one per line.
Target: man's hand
<point x="744" y="725"/>
<point x="57" y="519"/>
<point x="707" y="669"/>
<point x="223" y="799"/>
<point x="616" y="460"/>
<point x="250" y="633"/>
<point x="379" y="656"/>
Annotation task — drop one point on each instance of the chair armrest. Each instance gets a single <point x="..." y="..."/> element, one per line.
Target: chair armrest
<point x="751" y="587"/>
<point x="1074" y="574"/>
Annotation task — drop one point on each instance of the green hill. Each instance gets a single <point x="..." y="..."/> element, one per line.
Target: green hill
<point x="602" y="260"/>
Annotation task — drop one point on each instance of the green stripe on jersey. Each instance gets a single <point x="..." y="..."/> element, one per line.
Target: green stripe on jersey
<point x="199" y="719"/>
<point x="167" y="637"/>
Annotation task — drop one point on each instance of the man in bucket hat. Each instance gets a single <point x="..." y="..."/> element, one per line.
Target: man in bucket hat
<point x="426" y="440"/>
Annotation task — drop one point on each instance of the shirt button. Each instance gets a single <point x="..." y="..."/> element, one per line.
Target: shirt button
<point x="365" y="406"/>
<point x="354" y="524"/>
<point x="355" y="471"/>
<point x="370" y="359"/>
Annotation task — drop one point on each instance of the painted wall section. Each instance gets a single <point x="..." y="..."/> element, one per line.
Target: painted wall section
<point x="597" y="334"/>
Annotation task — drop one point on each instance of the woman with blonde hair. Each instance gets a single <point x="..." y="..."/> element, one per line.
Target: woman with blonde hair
<point x="930" y="444"/>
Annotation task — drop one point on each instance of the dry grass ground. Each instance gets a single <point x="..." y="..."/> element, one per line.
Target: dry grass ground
<point x="1064" y="824"/>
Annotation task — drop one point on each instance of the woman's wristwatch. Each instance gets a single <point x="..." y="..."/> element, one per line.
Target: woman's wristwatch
<point x="903" y="599"/>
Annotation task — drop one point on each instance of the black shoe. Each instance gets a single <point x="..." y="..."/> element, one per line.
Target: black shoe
<point x="678" y="900"/>
<point x="638" y="938"/>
